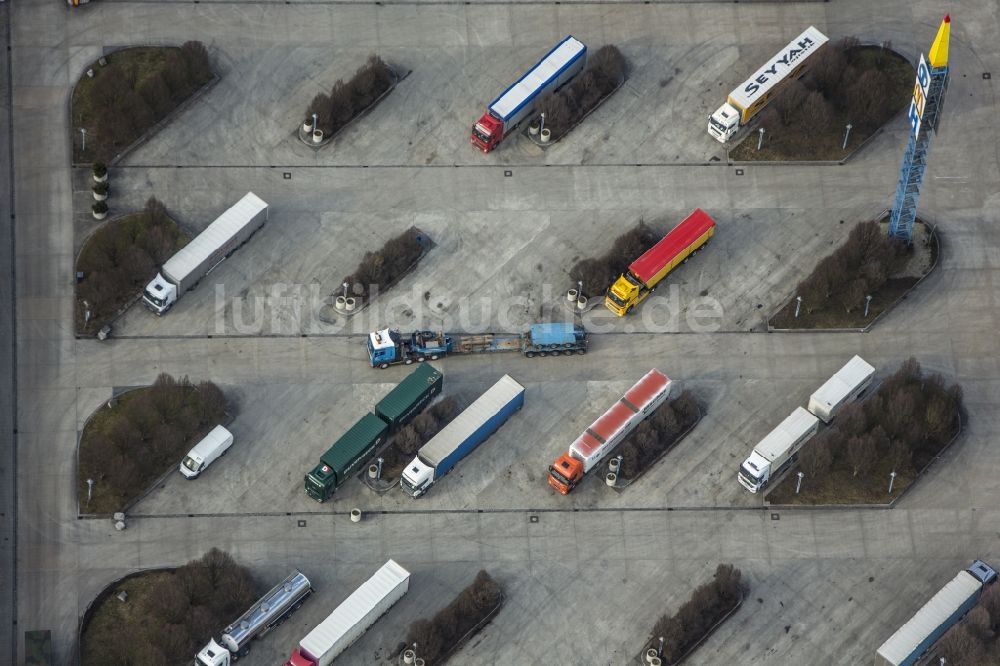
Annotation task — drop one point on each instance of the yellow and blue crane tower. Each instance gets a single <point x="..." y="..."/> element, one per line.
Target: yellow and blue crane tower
<point x="924" y="115"/>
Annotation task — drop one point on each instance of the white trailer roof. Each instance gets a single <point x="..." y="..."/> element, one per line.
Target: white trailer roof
<point x="354" y="608"/>
<point x="778" y="67"/>
<point x="778" y="440"/>
<point x="948" y="600"/>
<point x="215" y="236"/>
<point x="856" y="372"/>
<point x="538" y="76"/>
<point x="475" y="415"/>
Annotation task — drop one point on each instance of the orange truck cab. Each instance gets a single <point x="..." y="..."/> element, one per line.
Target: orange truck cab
<point x="604" y="434"/>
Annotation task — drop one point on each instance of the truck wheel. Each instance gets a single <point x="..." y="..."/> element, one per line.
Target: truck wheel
<point x="542" y="354"/>
<point x="686" y="259"/>
<point x="629" y="310"/>
<point x="529" y="354"/>
<point x="569" y="345"/>
<point x="581" y="351"/>
<point x="383" y="366"/>
<point x="408" y="361"/>
<point x="421" y="359"/>
<point x="555" y="352"/>
<point x="434" y="357"/>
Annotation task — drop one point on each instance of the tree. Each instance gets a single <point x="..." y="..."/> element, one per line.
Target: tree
<point x="854" y="294"/>
<point x="991" y="602"/>
<point x="939" y="418"/>
<point x="196" y="58"/>
<point x="788" y="102"/>
<point x="899" y="455"/>
<point x="408" y="441"/>
<point x="958" y="646"/>
<point x="426" y="635"/>
<point x="867" y="100"/>
<point x="979" y="624"/>
<point x="816" y="458"/>
<point x="861" y="454"/>
<point x="817" y="109"/>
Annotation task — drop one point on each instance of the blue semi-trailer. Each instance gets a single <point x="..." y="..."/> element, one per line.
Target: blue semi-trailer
<point x="460" y="437"/>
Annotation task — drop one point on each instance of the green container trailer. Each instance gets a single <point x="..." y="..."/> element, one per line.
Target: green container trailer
<point x="358" y="445"/>
<point x="410" y="397"/>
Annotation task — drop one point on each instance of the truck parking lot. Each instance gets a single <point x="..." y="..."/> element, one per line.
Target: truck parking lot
<point x="823" y="582"/>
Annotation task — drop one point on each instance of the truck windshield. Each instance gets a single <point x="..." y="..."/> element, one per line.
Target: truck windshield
<point x="159" y="302"/>
<point x="615" y="299"/>
<point x="746" y="474"/>
<point x="558" y="477"/>
<point x="485" y="138"/>
<point x="406" y="485"/>
<point x="190" y="463"/>
<point x="717" y="125"/>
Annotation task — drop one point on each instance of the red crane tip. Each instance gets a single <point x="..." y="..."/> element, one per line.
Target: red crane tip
<point x="947" y="18"/>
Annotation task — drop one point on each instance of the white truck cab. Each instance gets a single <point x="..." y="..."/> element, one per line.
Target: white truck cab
<point x="159" y="294"/>
<point x="213" y="654"/>
<point x="724" y="122"/>
<point x="417" y="477"/>
<point x="205" y="452"/>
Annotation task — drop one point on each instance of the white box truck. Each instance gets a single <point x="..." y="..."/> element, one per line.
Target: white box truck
<point x="460" y="437"/>
<point x="205" y="452"/>
<point x="195" y="260"/>
<point x="777" y="450"/>
<point x="764" y="85"/>
<point x="352" y="618"/>
<point x="844" y="387"/>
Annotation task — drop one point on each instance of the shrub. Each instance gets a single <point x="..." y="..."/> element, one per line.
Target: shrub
<point x="598" y="274"/>
<point x="435" y="638"/>
<point x="100" y="169"/>
<point x="384" y="267"/>
<point x="347" y="100"/>
<point x="415" y="434"/>
<point x="708" y="603"/>
<point x="567" y="106"/>
<point x="658" y="433"/>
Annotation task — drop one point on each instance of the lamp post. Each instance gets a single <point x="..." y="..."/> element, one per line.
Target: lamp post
<point x="378" y="475"/>
<point x="90" y="490"/>
<point x="345" y="290"/>
<point x="798" y="305"/>
<point x="846" y="135"/>
<point x="760" y="137"/>
<point x="542" y="125"/>
<point x="579" y="287"/>
<point x="798" y="484"/>
<point x="868" y="300"/>
<point x="892" y="477"/>
<point x="83" y="139"/>
<point x="314" y="123"/>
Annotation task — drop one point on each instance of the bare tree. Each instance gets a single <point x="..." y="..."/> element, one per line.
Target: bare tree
<point x="816" y="458"/>
<point x="788" y="102"/>
<point x="861" y="454"/>
<point x="817" y="109"/>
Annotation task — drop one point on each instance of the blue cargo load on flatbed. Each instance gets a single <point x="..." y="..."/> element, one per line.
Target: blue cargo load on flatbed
<point x="554" y="333"/>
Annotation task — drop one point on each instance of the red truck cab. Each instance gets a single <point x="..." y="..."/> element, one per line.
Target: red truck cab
<point x="299" y="659"/>
<point x="565" y="473"/>
<point x="487" y="132"/>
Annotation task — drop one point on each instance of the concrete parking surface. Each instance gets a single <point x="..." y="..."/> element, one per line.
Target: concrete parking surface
<point x="586" y="582"/>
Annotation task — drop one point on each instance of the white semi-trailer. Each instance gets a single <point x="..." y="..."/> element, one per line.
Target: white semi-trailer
<point x="352" y="618"/>
<point x="263" y="616"/>
<point x="195" y="260"/>
<point x="843" y="388"/>
<point x="777" y="450"/>
<point x="756" y="92"/>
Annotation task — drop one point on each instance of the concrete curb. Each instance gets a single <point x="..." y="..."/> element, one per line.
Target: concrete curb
<point x="360" y="114"/>
<point x="932" y="231"/>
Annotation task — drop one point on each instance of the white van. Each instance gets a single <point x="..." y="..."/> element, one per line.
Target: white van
<point x="215" y="444"/>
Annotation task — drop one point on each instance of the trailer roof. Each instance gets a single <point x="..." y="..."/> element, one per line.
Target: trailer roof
<point x="214" y="236"/>
<point x="402" y="397"/>
<point x="555" y="61"/>
<point x="340" y="455"/>
<point x="941" y="606"/>
<point x="778" y="440"/>
<point x="607" y="426"/>
<point x="775" y="70"/>
<point x="354" y="608"/>
<point x="845" y="380"/>
<point x="475" y="415"/>
<point x="678" y="238"/>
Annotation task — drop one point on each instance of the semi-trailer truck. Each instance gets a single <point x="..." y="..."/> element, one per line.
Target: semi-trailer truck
<point x="604" y="434"/>
<point x="777" y="450"/>
<point x="388" y="347"/>
<point x="266" y="613"/>
<point x="646" y="272"/>
<point x="747" y="100"/>
<point x="465" y="432"/>
<point x="359" y="444"/>
<point x="352" y="618"/>
<point x="908" y="645"/>
<point x="518" y="101"/>
<point x="846" y="385"/>
<point x="195" y="260"/>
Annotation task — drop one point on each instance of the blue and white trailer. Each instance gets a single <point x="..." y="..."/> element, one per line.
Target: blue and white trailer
<point x="465" y="432"/>
<point x="516" y="103"/>
<point x="389" y="347"/>
<point x="948" y="606"/>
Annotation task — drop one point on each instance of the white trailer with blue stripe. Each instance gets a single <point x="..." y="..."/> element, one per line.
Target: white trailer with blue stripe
<point x="516" y="103"/>
<point x="467" y="431"/>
